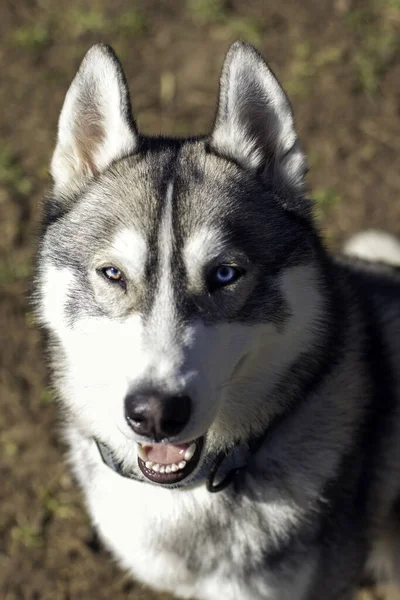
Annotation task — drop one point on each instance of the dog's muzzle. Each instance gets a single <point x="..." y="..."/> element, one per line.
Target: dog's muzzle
<point x="217" y="471"/>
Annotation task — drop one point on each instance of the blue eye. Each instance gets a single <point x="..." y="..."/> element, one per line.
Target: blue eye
<point x="224" y="275"/>
<point x="113" y="274"/>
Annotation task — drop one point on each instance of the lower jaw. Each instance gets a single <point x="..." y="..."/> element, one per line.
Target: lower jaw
<point x="177" y="476"/>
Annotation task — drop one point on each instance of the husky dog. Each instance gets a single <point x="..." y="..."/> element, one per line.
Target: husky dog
<point x="230" y="391"/>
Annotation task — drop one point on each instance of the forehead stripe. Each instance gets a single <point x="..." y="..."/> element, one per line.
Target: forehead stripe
<point x="163" y="314"/>
<point x="166" y="230"/>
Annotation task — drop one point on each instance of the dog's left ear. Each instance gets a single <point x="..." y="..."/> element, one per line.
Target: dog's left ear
<point x="254" y="125"/>
<point x="96" y="126"/>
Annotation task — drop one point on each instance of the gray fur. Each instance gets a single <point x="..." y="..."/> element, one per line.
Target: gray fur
<point x="302" y="347"/>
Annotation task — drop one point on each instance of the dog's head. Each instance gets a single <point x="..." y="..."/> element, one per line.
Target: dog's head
<point x="177" y="278"/>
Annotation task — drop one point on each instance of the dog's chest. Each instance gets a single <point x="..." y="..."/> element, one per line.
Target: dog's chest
<point x="169" y="540"/>
<point x="192" y="543"/>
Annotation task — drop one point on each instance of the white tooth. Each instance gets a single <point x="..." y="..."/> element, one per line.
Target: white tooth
<point x="174" y="468"/>
<point x="168" y="469"/>
<point x="156" y="467"/>
<point x="189" y="452"/>
<point x="182" y="464"/>
<point x="142" y="452"/>
<point x="162" y="469"/>
<point x="149" y="464"/>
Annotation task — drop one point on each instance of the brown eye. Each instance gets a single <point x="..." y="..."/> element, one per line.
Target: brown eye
<point x="114" y="275"/>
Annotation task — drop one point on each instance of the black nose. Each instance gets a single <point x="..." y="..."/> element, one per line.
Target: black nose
<point x="156" y="416"/>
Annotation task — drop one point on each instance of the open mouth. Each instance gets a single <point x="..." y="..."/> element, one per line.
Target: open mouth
<point x="169" y="463"/>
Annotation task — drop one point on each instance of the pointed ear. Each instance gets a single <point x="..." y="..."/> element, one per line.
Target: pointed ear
<point x="96" y="125"/>
<point x="254" y="125"/>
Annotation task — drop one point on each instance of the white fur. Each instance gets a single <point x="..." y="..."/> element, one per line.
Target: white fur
<point x="202" y="246"/>
<point x="95" y="97"/>
<point x="374" y="245"/>
<point x="55" y="286"/>
<point x="134" y="518"/>
<point x="129" y="251"/>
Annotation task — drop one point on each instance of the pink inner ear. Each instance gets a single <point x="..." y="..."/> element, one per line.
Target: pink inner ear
<point x="89" y="135"/>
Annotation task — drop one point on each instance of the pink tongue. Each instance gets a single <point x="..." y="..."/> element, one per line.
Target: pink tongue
<point x="166" y="454"/>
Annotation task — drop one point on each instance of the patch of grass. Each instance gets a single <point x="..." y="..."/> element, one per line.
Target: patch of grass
<point x="359" y="19"/>
<point x="314" y="158"/>
<point x="27" y="535"/>
<point x="31" y="36"/>
<point x="54" y="75"/>
<point x="12" y="175"/>
<point x="11" y="272"/>
<point x="377" y="29"/>
<point x="245" y="29"/>
<point x="47" y="396"/>
<point x="53" y="506"/>
<point x="182" y="127"/>
<point x="305" y="66"/>
<point x="218" y="11"/>
<point x="95" y="20"/>
<point x="132" y="21"/>
<point x="43" y="171"/>
<point x="302" y="70"/>
<point x="372" y="61"/>
<point x="329" y="55"/>
<point x="167" y="87"/>
<point x="10" y="449"/>
<point x="324" y="199"/>
<point x="207" y="11"/>
<point x="30" y="320"/>
<point x="82" y="20"/>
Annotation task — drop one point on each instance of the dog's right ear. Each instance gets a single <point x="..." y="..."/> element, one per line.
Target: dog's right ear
<point x="96" y="125"/>
<point x="254" y="125"/>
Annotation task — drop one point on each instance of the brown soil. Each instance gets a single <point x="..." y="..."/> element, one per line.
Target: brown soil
<point x="340" y="62"/>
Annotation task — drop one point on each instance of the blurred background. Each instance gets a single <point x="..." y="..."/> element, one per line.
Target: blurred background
<point x="339" y="61"/>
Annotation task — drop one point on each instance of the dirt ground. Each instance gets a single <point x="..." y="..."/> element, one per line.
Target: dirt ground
<point x="340" y="63"/>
